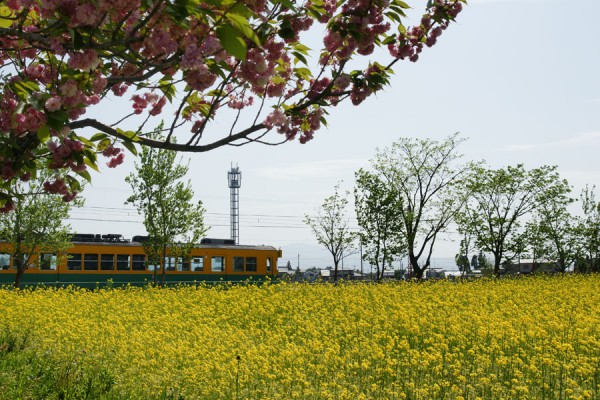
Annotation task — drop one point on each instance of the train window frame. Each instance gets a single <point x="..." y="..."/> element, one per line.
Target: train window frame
<point x="251" y="266"/>
<point x="120" y="262"/>
<point x="90" y="262"/>
<point x="197" y="264"/>
<point x="223" y="263"/>
<point x="72" y="259"/>
<point x="3" y="257"/>
<point x="48" y="261"/>
<point x="138" y="264"/>
<point x="104" y="262"/>
<point x="238" y="264"/>
<point x="269" y="264"/>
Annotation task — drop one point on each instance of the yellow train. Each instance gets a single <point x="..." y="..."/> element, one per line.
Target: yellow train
<point x="97" y="260"/>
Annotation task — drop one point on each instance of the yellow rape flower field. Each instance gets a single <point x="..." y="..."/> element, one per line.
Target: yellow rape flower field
<point x="521" y="338"/>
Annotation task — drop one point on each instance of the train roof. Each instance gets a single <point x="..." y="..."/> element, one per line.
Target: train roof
<point x="117" y="239"/>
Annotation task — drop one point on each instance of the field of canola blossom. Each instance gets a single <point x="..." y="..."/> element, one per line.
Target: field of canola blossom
<point x="523" y="338"/>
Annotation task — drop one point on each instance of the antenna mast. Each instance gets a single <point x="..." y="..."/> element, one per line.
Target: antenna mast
<point x="234" y="178"/>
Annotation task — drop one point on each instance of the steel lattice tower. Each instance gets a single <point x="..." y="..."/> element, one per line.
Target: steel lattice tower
<point x="234" y="178"/>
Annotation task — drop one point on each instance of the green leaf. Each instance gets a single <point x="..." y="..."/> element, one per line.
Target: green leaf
<point x="6" y="16"/>
<point x="401" y="4"/>
<point x="57" y="119"/>
<point x="285" y="30"/>
<point x="232" y="41"/>
<point x="130" y="135"/>
<point x="73" y="183"/>
<point x="98" y="136"/>
<point x="241" y="24"/>
<point x="303" y="73"/>
<point x="91" y="164"/>
<point x="299" y="57"/>
<point x="131" y="147"/>
<point x="85" y="175"/>
<point x="43" y="134"/>
<point x="286" y="3"/>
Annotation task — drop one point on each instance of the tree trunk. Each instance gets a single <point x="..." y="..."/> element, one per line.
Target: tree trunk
<point x="164" y="266"/>
<point x="497" y="260"/>
<point x="417" y="271"/>
<point x="335" y="271"/>
<point x="19" y="275"/>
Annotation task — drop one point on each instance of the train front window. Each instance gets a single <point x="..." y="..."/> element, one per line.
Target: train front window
<point x="47" y="261"/>
<point x="217" y="264"/>
<point x="123" y="262"/>
<point x="90" y="262"/>
<point x="238" y="264"/>
<point x="74" y="262"/>
<point x="250" y="264"/>
<point x="4" y="261"/>
<point x="138" y="262"/>
<point x="198" y="264"/>
<point x="107" y="262"/>
<point x="268" y="264"/>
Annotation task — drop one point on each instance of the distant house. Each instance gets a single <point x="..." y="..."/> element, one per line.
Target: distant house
<point x="529" y="266"/>
<point x="345" y="274"/>
<point x="284" y="271"/>
<point x="435" y="273"/>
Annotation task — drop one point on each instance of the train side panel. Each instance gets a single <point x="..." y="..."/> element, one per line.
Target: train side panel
<point x="118" y="264"/>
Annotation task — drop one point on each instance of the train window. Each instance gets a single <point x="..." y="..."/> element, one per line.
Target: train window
<point x="250" y="264"/>
<point x="4" y="261"/>
<point x="74" y="262"/>
<point x="138" y="262"/>
<point x="268" y="264"/>
<point x="90" y="262"/>
<point x="107" y="262"/>
<point x="198" y="264"/>
<point x="47" y="261"/>
<point x="238" y="264"/>
<point x="183" y="264"/>
<point x="123" y="262"/>
<point x="217" y="264"/>
<point x="170" y="263"/>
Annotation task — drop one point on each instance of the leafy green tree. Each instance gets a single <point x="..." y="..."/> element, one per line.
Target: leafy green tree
<point x="331" y="228"/>
<point x="174" y="222"/>
<point x="589" y="231"/>
<point x="555" y="236"/>
<point x="499" y="204"/>
<point x="378" y="212"/>
<point x="35" y="226"/>
<point x="425" y="176"/>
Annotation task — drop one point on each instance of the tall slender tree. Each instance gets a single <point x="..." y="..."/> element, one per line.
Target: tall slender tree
<point x="331" y="228"/>
<point x="428" y="178"/>
<point x="173" y="220"/>
<point x="378" y="212"/>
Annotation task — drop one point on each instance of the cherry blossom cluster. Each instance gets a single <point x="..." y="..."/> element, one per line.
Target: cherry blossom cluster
<point x="59" y="58"/>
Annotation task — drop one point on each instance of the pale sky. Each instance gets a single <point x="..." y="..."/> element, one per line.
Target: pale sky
<point x="518" y="78"/>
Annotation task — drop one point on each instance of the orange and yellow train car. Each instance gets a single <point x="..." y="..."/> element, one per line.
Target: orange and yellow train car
<point x="98" y="260"/>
